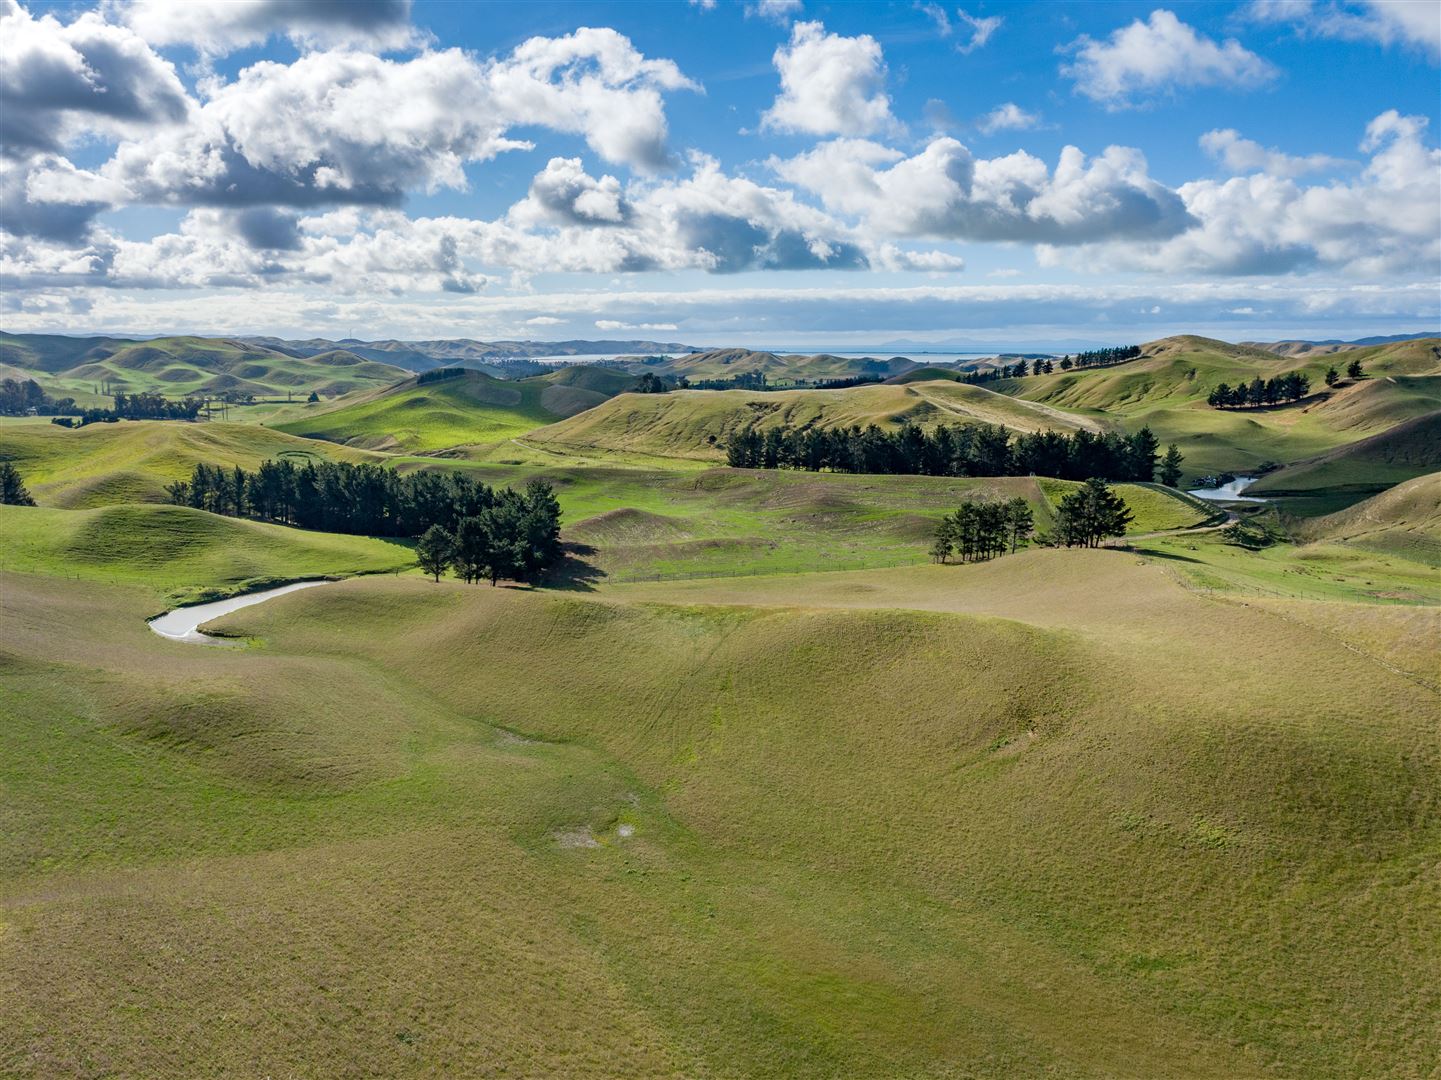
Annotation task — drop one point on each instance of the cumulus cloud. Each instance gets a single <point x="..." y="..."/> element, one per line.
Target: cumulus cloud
<point x="1246" y="156"/>
<point x="830" y="85"/>
<point x="612" y="324"/>
<point x="564" y="192"/>
<point x="945" y="192"/>
<point x="1408" y="23"/>
<point x="1159" y="55"/>
<point x="61" y="81"/>
<point x="1385" y="221"/>
<point x="325" y="128"/>
<point x="217" y="27"/>
<point x="1007" y="117"/>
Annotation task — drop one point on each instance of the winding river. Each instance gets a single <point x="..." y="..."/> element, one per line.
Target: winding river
<point x="183" y="624"/>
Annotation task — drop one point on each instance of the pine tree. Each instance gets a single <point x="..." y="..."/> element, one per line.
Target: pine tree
<point x="12" y="488"/>
<point x="1354" y="370"/>
<point x="1171" y="466"/>
<point x="1332" y="376"/>
<point x="433" y="551"/>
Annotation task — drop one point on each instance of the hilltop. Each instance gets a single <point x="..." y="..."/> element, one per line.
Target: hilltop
<point x="183" y="366"/>
<point x="776" y="367"/>
<point x="102" y="464"/>
<point x="696" y="423"/>
<point x="1405" y="520"/>
<point x="1166" y="389"/>
<point x="1332" y="345"/>
<point x="423" y="414"/>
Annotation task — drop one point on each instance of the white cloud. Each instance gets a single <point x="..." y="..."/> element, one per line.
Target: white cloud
<point x="946" y="192"/>
<point x="1386" y="221"/>
<point x="62" y="81"/>
<point x="1245" y="156"/>
<point x="780" y="11"/>
<point x="1408" y="23"/>
<point x="325" y="128"/>
<point x="544" y="320"/>
<point x="1007" y="117"/>
<point x="830" y="85"/>
<point x="217" y="27"/>
<point x="1162" y="54"/>
<point x="612" y="324"/>
<point x="981" y="30"/>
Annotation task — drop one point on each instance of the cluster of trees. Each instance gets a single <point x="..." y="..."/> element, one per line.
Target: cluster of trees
<point x="1292" y="386"/>
<point x="985" y="450"/>
<point x="370" y="500"/>
<point x="983" y="530"/>
<point x="651" y="383"/>
<point x="438" y="374"/>
<point x="1091" y="514"/>
<point x="756" y="380"/>
<point x="1354" y="371"/>
<point x="18" y="397"/>
<point x="142" y="406"/>
<point x="517" y="537"/>
<point x="12" y="488"/>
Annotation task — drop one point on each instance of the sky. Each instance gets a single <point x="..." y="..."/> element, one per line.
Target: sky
<point x="770" y="173"/>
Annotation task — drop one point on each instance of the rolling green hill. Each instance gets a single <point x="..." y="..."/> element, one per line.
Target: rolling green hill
<point x="458" y="410"/>
<point x="779" y="369"/>
<point x="1398" y="453"/>
<point x="695" y="424"/>
<point x="881" y="824"/>
<point x="1166" y="389"/>
<point x="181" y="366"/>
<point x="132" y="461"/>
<point x="1403" y="520"/>
<point x="181" y="552"/>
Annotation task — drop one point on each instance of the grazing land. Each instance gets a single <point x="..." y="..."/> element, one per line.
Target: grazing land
<point x="750" y="786"/>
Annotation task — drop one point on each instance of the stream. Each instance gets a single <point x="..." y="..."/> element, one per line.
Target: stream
<point x="183" y="623"/>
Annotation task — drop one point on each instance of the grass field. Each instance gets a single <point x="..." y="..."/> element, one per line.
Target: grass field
<point x="180" y="553"/>
<point x="181" y="366"/>
<point x="1017" y="833"/>
<point x="132" y="461"/>
<point x="709" y="805"/>
<point x="470" y="408"/>
<point x="630" y="523"/>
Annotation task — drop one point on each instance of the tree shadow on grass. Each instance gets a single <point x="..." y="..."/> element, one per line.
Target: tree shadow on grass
<point x="575" y="574"/>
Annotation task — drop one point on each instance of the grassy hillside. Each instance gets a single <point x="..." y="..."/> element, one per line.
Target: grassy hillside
<point x="779" y="369"/>
<point x="1047" y="826"/>
<point x="1166" y="389"/>
<point x="469" y="408"/>
<point x="1403" y="520"/>
<point x="180" y="366"/>
<point x="1399" y="453"/>
<point x="132" y="461"/>
<point x="695" y="424"/>
<point x="180" y="552"/>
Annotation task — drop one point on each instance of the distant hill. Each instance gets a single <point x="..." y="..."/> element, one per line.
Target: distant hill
<point x="424" y="355"/>
<point x="424" y="414"/>
<point x="695" y="424"/>
<point x="778" y="368"/>
<point x="1166" y="388"/>
<point x="1333" y="345"/>
<point x="180" y="366"/>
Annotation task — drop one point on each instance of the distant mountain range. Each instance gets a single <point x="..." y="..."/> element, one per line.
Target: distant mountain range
<point x="1321" y="348"/>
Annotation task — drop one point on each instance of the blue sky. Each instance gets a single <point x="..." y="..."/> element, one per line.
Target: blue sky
<point x="764" y="173"/>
